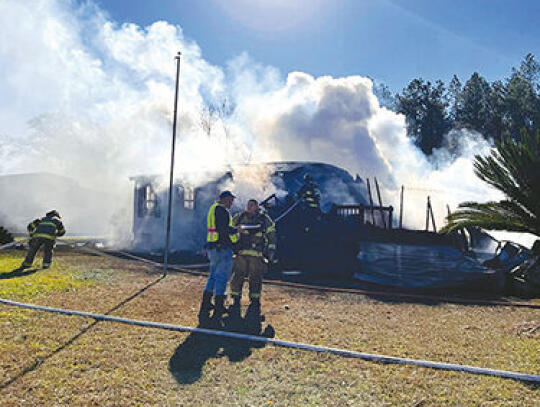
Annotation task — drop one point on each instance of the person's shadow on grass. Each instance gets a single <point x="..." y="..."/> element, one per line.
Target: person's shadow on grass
<point x="18" y="272"/>
<point x="189" y="358"/>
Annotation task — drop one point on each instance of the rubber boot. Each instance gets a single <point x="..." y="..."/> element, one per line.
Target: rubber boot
<point x="255" y="304"/>
<point x="254" y="310"/>
<point x="253" y="318"/>
<point x="219" y="308"/>
<point x="234" y="309"/>
<point x="206" y="306"/>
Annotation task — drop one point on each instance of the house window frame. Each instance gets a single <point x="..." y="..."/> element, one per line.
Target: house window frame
<point x="148" y="202"/>
<point x="189" y="197"/>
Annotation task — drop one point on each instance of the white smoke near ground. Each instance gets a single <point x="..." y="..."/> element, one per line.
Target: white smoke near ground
<point x="90" y="99"/>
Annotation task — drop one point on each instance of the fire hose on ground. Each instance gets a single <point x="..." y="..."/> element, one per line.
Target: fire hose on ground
<point x="188" y="269"/>
<point x="11" y="244"/>
<point x="295" y="345"/>
<point x="288" y="344"/>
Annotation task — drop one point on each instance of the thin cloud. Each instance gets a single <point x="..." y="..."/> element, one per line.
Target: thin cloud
<point x="450" y="35"/>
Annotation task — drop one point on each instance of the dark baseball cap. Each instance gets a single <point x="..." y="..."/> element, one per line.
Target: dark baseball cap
<point x="226" y="194"/>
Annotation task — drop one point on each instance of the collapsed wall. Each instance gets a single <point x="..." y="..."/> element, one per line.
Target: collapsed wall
<point x="191" y="202"/>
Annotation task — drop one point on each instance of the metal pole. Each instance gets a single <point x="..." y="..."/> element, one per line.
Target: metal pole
<point x="371" y="203"/>
<point x="383" y="218"/>
<point x="401" y="208"/>
<point x="169" y="208"/>
<point x="427" y="214"/>
<point x="432" y="217"/>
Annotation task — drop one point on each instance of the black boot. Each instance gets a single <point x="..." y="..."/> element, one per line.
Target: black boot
<point x="234" y="309"/>
<point x="254" y="310"/>
<point x="219" y="308"/>
<point x="255" y="304"/>
<point x="253" y="318"/>
<point x="206" y="306"/>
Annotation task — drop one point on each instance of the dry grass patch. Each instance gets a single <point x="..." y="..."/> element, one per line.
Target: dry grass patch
<point x="118" y="364"/>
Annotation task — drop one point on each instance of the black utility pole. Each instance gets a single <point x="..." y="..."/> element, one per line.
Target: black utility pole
<point x="383" y="218"/>
<point x="169" y="208"/>
<point x="401" y="207"/>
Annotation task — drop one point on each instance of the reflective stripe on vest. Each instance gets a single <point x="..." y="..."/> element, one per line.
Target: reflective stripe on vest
<point x="213" y="235"/>
<point x="48" y="223"/>
<point x="250" y="252"/>
<point x="45" y="229"/>
<point x="43" y="236"/>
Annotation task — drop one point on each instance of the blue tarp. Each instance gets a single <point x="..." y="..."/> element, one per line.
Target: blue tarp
<point x="418" y="266"/>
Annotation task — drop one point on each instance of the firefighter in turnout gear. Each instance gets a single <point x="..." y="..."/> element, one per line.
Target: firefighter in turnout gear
<point x="310" y="195"/>
<point x="221" y="237"/>
<point x="257" y="243"/>
<point x="43" y="232"/>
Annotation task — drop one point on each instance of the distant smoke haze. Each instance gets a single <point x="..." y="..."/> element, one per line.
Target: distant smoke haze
<point x="90" y="99"/>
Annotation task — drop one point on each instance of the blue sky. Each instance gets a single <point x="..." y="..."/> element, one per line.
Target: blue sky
<point x="392" y="41"/>
<point x="102" y="93"/>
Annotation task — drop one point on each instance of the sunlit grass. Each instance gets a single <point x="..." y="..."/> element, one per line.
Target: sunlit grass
<point x="34" y="281"/>
<point x="113" y="364"/>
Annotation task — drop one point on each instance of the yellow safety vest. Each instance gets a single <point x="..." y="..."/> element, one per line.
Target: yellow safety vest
<point x="213" y="235"/>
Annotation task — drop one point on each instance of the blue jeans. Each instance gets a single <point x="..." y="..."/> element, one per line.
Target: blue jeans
<point x="221" y="263"/>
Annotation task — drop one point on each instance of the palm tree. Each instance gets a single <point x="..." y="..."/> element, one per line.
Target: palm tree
<point x="514" y="169"/>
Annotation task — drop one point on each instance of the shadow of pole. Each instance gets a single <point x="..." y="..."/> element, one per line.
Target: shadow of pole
<point x="39" y="361"/>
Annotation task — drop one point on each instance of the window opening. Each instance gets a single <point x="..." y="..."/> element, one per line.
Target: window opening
<point x="189" y="198"/>
<point x="148" y="203"/>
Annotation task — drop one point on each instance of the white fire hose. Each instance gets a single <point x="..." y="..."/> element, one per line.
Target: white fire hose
<point x="287" y="344"/>
<point x="287" y="211"/>
<point x="8" y="245"/>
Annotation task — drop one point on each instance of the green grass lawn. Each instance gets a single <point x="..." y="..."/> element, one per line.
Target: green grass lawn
<point x="33" y="282"/>
<point x="49" y="359"/>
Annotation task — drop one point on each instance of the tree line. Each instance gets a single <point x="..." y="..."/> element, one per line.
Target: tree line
<point x="502" y="109"/>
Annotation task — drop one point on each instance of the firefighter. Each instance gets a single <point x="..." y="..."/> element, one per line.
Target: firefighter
<point x="310" y="195"/>
<point x="220" y="240"/>
<point x="256" y="244"/>
<point x="43" y="232"/>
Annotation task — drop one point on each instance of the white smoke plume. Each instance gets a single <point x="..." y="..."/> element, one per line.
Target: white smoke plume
<point x="85" y="97"/>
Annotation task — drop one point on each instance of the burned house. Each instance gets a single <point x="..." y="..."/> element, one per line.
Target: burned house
<point x="351" y="238"/>
<point x="191" y="203"/>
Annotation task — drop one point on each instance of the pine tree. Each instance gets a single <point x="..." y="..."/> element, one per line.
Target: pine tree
<point x="474" y="108"/>
<point x="454" y="97"/>
<point x="424" y="107"/>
